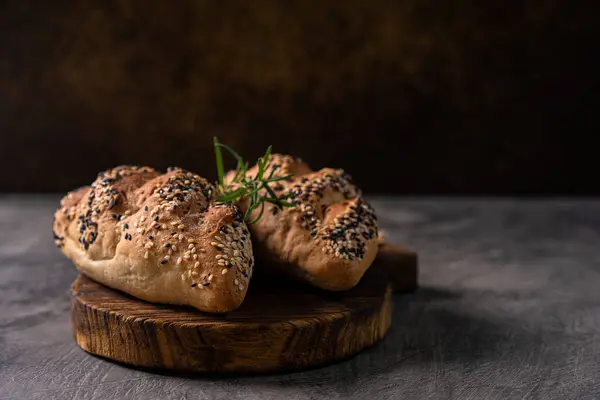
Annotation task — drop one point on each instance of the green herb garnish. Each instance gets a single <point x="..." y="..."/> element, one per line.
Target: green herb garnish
<point x="243" y="186"/>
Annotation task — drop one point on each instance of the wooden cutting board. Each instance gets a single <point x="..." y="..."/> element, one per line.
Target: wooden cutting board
<point x="280" y="326"/>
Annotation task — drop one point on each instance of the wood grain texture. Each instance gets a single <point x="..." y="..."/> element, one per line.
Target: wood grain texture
<point x="278" y="327"/>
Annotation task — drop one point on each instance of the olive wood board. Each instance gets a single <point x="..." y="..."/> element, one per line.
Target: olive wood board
<point x="279" y="327"/>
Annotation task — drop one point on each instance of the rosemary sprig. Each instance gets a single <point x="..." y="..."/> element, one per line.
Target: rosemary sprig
<point x="247" y="187"/>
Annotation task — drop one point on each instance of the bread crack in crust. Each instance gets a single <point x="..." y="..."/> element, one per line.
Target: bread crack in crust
<point x="329" y="238"/>
<point x="159" y="237"/>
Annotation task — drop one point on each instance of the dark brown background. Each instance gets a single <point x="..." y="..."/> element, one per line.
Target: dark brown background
<point x="409" y="97"/>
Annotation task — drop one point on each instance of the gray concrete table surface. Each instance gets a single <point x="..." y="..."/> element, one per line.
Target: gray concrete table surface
<point x="509" y="307"/>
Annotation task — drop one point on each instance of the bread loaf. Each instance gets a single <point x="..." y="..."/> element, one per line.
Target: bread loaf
<point x="158" y="237"/>
<point x="329" y="238"/>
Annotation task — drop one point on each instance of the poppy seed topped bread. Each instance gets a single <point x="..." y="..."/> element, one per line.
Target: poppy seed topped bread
<point x="329" y="238"/>
<point x="158" y="237"/>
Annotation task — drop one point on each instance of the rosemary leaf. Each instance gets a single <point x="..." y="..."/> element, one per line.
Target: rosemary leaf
<point x="247" y="187"/>
<point x="279" y="178"/>
<point x="228" y="197"/>
<point x="219" y="159"/>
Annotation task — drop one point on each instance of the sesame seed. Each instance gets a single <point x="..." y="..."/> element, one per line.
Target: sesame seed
<point x="146" y="255"/>
<point x="180" y="237"/>
<point x="174" y="248"/>
<point x="196" y="264"/>
<point x="195" y="256"/>
<point x="224" y="271"/>
<point x="191" y="246"/>
<point x="179" y="261"/>
<point x="180" y="227"/>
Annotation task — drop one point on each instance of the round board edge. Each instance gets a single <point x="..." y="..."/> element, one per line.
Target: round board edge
<point x="144" y="340"/>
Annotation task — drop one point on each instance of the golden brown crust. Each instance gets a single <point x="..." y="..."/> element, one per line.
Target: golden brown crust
<point x="159" y="237"/>
<point x="328" y="239"/>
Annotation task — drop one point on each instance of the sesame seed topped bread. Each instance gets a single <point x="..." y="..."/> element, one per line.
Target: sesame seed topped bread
<point x="329" y="238"/>
<point x="158" y="237"/>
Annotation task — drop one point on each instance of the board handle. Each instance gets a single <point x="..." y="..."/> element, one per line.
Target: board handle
<point x="400" y="265"/>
